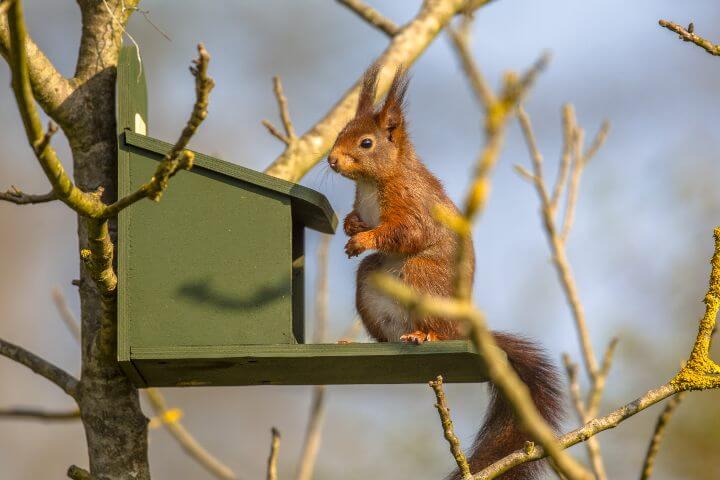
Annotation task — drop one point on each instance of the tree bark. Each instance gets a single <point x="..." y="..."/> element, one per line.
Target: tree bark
<point x="115" y="426"/>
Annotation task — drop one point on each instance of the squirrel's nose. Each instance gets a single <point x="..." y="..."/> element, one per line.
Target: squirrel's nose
<point x="333" y="161"/>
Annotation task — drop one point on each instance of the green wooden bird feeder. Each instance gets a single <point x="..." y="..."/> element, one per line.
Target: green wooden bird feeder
<point x="211" y="278"/>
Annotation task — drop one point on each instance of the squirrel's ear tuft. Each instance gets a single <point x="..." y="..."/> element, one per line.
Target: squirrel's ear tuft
<point x="392" y="113"/>
<point x="367" y="92"/>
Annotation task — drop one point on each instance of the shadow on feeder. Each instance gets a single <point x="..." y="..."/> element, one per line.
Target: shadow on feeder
<point x="211" y="279"/>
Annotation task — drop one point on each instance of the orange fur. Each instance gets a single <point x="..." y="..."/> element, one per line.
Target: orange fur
<point x="394" y="197"/>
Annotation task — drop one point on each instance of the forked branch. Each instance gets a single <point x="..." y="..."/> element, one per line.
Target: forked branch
<point x="289" y="136"/>
<point x="700" y="372"/>
<point x="82" y="202"/>
<point x="178" y="158"/>
<point x="499" y="370"/>
<point x="404" y="48"/>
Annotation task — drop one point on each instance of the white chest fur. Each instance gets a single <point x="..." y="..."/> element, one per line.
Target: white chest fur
<point x="368" y="204"/>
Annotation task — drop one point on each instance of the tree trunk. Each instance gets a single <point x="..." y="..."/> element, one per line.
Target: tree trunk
<point x="115" y="426"/>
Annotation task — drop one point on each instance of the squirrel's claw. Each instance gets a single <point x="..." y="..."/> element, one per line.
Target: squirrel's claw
<point x="417" y="337"/>
<point x="359" y="243"/>
<point x="353" y="225"/>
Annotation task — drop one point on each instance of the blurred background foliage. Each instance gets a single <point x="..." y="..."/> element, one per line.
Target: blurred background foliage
<point x="640" y="247"/>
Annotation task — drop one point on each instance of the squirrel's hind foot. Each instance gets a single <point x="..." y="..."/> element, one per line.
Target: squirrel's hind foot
<point x="417" y="337"/>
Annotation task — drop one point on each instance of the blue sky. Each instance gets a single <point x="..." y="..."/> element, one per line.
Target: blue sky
<point x="639" y="249"/>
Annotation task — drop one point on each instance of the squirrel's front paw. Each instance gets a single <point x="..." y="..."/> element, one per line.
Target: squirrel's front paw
<point x="353" y="225"/>
<point x="359" y="243"/>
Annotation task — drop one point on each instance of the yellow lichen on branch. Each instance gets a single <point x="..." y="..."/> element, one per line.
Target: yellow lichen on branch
<point x="700" y="372"/>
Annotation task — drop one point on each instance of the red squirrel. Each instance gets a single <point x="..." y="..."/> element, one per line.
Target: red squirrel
<point x="391" y="215"/>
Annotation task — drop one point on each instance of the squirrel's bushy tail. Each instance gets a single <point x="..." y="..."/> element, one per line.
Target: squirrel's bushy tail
<point x="500" y="433"/>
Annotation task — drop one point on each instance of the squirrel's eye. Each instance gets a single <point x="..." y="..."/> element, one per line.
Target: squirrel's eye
<point x="366" y="143"/>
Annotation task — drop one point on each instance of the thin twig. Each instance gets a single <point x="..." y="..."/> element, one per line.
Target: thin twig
<point x="572" y="160"/>
<point x="18" y="197"/>
<point x="273" y="457"/>
<point x="449" y="432"/>
<point x="499" y="370"/>
<point x="289" y="136"/>
<point x="37" y="414"/>
<point x="569" y="126"/>
<point x="42" y="367"/>
<point x="178" y="158"/>
<point x="598" y="386"/>
<point x="65" y="313"/>
<point x="372" y="16"/>
<point x="403" y="49"/>
<point x="688" y="35"/>
<point x="498" y="113"/>
<point x="700" y="372"/>
<point x="82" y="202"/>
<point x="178" y="431"/>
<point x="654" y="447"/>
<point x="558" y="248"/>
<point x="275" y="132"/>
<point x="460" y="37"/>
<point x="187" y="441"/>
<point x="592" y="444"/>
<point x="313" y="434"/>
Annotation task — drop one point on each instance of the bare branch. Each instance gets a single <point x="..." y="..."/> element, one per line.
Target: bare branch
<point x="688" y="35"/>
<point x="289" y="136"/>
<point x="178" y="158"/>
<point x="557" y="245"/>
<point x="700" y="372"/>
<point x="18" y="197"/>
<point x="37" y="414"/>
<point x="592" y="444"/>
<point x="659" y="432"/>
<point x="159" y="405"/>
<point x="499" y="370"/>
<point x="460" y="38"/>
<point x="371" y="16"/>
<point x="569" y="139"/>
<point x="311" y="444"/>
<point x="186" y="440"/>
<point x="498" y="115"/>
<point x="275" y="132"/>
<point x="404" y="49"/>
<point x="42" y="367"/>
<point x="49" y="87"/>
<point x="65" y="314"/>
<point x="581" y="434"/>
<point x="598" y="385"/>
<point x="447" y="424"/>
<point x="283" y="107"/>
<point x="66" y="191"/>
<point x="272" y="459"/>
<point x="313" y="434"/>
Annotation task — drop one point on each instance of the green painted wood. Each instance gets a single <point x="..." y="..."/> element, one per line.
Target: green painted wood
<point x="321" y="364"/>
<point x="132" y="114"/>
<point x="210" y="264"/>
<point x="211" y="279"/>
<point x="309" y="206"/>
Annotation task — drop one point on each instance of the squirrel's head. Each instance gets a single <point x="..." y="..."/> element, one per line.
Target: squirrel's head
<point x="372" y="144"/>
